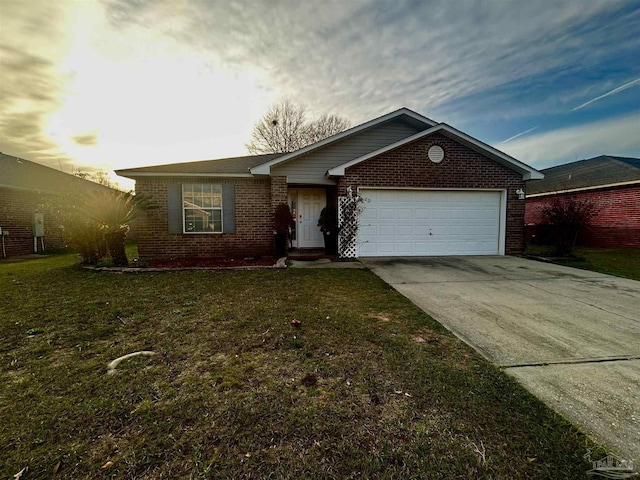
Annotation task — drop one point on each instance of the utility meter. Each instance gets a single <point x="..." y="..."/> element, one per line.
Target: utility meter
<point x="38" y="224"/>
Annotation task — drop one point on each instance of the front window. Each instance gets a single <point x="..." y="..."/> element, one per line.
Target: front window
<point x="202" y="208"/>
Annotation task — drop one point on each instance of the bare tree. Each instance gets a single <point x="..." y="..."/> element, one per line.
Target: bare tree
<point x="284" y="128"/>
<point x="325" y="126"/>
<point x="100" y="176"/>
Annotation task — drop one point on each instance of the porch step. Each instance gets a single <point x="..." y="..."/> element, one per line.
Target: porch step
<point x="308" y="254"/>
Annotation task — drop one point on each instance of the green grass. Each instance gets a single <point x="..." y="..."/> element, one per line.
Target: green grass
<point x="368" y="387"/>
<point x="622" y="262"/>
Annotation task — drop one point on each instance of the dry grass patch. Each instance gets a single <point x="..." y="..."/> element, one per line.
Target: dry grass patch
<point x="367" y="387"/>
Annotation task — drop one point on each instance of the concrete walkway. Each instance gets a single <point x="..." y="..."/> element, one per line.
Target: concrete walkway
<point x="324" y="263"/>
<point x="572" y="337"/>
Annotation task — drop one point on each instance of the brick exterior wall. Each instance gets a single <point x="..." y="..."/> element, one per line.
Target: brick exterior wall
<point x="16" y="215"/>
<point x="278" y="191"/>
<point x="253" y="217"/>
<point x="408" y="166"/>
<point x="617" y="223"/>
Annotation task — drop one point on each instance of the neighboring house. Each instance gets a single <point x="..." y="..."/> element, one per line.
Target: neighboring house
<point x="612" y="182"/>
<point x="432" y="190"/>
<point x="25" y="187"/>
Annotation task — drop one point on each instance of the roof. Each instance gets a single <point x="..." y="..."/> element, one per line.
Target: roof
<point x="597" y="172"/>
<point x="232" y="166"/>
<point x="487" y="150"/>
<point x="20" y="174"/>
<point x="251" y="165"/>
<point x="410" y="115"/>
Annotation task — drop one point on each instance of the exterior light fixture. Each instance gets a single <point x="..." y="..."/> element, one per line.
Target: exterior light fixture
<point x="520" y="193"/>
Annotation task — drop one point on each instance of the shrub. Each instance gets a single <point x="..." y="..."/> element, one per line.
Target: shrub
<point x="98" y="222"/>
<point x="568" y="216"/>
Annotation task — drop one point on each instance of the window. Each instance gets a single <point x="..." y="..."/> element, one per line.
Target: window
<point x="202" y="208"/>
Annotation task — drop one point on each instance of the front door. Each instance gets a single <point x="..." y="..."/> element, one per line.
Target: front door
<point x="311" y="201"/>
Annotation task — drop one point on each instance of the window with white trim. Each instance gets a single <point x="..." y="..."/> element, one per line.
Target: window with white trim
<point x="202" y="208"/>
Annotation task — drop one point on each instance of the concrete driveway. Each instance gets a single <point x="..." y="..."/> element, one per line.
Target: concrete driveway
<point x="572" y="337"/>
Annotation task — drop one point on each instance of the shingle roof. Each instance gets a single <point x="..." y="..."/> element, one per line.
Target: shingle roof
<point x="233" y="165"/>
<point x="592" y="172"/>
<point x="19" y="173"/>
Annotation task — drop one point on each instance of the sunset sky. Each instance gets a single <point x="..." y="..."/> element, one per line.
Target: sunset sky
<point x="122" y="83"/>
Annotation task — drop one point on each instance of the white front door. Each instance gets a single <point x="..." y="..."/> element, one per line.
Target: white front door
<point x="311" y="201"/>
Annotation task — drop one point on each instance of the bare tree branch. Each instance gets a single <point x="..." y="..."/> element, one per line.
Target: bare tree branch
<point x="284" y="128"/>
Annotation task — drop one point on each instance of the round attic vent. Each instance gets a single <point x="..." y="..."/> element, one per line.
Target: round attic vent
<point x="436" y="154"/>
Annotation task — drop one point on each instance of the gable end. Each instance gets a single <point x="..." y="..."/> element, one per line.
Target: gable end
<point x="527" y="172"/>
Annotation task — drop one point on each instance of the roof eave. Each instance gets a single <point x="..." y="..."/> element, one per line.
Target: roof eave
<point x="262" y="169"/>
<point x="533" y="176"/>
<point x="585" y="189"/>
<point x="134" y="175"/>
<point x="265" y="168"/>
<point x="528" y="173"/>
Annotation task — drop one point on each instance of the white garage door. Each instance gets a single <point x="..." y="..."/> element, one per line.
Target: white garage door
<point x="422" y="223"/>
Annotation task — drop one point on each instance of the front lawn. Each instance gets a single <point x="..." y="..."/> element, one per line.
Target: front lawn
<point x="367" y="387"/>
<point x="622" y="262"/>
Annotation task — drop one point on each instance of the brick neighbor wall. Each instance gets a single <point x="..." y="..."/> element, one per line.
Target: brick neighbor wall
<point x="253" y="218"/>
<point x="617" y="224"/>
<point x="16" y="215"/>
<point x="408" y="166"/>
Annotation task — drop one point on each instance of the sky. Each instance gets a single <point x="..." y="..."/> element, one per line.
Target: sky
<point x="103" y="85"/>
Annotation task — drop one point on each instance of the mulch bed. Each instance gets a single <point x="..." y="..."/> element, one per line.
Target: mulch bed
<point x="214" y="262"/>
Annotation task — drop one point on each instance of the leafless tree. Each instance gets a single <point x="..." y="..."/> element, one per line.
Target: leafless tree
<point x="325" y="126"/>
<point x="100" y="176"/>
<point x="284" y="128"/>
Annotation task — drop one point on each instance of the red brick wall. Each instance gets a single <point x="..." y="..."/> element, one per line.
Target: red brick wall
<point x="16" y="215"/>
<point x="254" y="223"/>
<point x="278" y="191"/>
<point x="408" y="166"/>
<point x="617" y="223"/>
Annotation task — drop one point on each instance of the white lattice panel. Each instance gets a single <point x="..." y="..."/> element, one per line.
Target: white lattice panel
<point x="348" y="215"/>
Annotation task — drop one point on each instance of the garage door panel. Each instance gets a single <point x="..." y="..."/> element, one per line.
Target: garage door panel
<point x="386" y="230"/>
<point x="404" y="248"/>
<point x="369" y="213"/>
<point x="407" y="223"/>
<point x="420" y="213"/>
<point x="386" y="213"/>
<point x="439" y="213"/>
<point x="368" y="250"/>
<point x="404" y="230"/>
<point x="421" y="248"/>
<point x="457" y="230"/>
<point x="368" y="230"/>
<point x="438" y="248"/>
<point x="386" y="248"/>
<point x="404" y="213"/>
<point x="456" y="212"/>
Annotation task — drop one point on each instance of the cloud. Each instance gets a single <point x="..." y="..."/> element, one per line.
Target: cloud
<point x="517" y="135"/>
<point x="86" y="139"/>
<point x="609" y="93"/>
<point x="31" y="86"/>
<point x="615" y="136"/>
<point x="361" y="59"/>
<point x="167" y="81"/>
